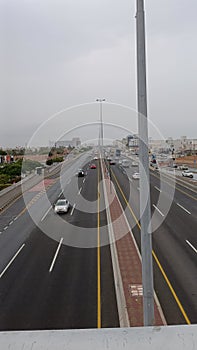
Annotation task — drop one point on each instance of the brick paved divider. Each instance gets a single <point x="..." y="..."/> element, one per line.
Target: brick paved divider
<point x="126" y="262"/>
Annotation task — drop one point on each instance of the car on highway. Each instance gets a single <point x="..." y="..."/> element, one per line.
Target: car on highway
<point x="134" y="164"/>
<point x="183" y="167"/>
<point x="93" y="166"/>
<point x="81" y="173"/>
<point x="187" y="173"/>
<point x="136" y="176"/>
<point x="61" y="206"/>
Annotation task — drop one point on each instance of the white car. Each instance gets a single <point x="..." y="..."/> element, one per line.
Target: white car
<point x="188" y="173"/>
<point x="136" y="176"/>
<point x="61" y="206"/>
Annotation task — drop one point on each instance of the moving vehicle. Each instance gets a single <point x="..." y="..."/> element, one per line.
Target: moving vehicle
<point x="93" y="166"/>
<point x="134" y="164"/>
<point x="183" y="167"/>
<point x="125" y="163"/>
<point x="81" y="173"/>
<point x="61" y="206"/>
<point x="187" y="173"/>
<point x="136" y="176"/>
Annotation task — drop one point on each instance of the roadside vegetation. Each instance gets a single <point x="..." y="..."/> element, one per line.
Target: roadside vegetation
<point x="11" y="173"/>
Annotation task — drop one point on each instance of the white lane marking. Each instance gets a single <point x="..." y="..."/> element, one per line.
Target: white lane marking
<point x="130" y="179"/>
<point x="84" y="180"/>
<point x="55" y="256"/>
<point x="187" y="211"/>
<point x="15" y="218"/>
<point x="73" y="208"/>
<point x="44" y="216"/>
<point x="159" y="211"/>
<point x="191" y="246"/>
<point x="11" y="261"/>
<point x="11" y="222"/>
<point x="5" y="228"/>
<point x="60" y="194"/>
<point x="80" y="190"/>
<point x="158" y="189"/>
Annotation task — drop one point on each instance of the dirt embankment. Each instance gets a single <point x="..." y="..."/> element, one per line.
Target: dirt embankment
<point x="189" y="160"/>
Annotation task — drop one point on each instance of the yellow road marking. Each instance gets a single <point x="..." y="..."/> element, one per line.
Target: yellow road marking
<point x="156" y="259"/>
<point x="98" y="259"/>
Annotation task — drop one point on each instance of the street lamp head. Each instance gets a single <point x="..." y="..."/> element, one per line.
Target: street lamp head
<point x="100" y="99"/>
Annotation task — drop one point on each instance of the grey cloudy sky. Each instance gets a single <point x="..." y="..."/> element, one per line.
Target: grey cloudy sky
<point x="57" y="54"/>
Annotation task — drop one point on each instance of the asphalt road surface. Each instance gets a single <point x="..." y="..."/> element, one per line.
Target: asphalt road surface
<point x="64" y="279"/>
<point x="174" y="240"/>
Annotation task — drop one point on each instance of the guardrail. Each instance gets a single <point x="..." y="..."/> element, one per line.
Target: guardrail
<point x="141" y="338"/>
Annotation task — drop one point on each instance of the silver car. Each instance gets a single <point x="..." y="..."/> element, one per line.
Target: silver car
<point x="61" y="206"/>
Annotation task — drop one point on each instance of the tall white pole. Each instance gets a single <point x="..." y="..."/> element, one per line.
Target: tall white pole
<point x="101" y="100"/>
<point x="145" y="212"/>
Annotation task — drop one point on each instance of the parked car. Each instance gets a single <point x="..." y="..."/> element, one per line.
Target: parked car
<point x="136" y="176"/>
<point x="61" y="206"/>
<point x="187" y="173"/>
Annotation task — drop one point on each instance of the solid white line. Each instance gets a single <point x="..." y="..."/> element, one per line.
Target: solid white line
<point x="159" y="211"/>
<point x="187" y="211"/>
<point x="55" y="256"/>
<point x="73" y="208"/>
<point x="80" y="190"/>
<point x="11" y="261"/>
<point x="158" y="189"/>
<point x="44" y="216"/>
<point x="191" y="246"/>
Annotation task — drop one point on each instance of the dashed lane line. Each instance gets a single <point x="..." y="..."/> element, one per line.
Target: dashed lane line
<point x="44" y="216"/>
<point x="187" y="211"/>
<point x="159" y="211"/>
<point x="73" y="208"/>
<point x="194" y="249"/>
<point x="12" y="260"/>
<point x="56" y="254"/>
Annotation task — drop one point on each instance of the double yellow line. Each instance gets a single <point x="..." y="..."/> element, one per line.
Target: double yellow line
<point x="155" y="256"/>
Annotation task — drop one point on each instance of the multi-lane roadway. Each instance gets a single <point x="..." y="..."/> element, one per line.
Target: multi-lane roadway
<point x="56" y="270"/>
<point x="54" y="273"/>
<point x="174" y="221"/>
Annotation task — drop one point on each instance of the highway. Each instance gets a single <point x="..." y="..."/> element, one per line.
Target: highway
<point x="56" y="270"/>
<point x="174" y="240"/>
<point x="54" y="274"/>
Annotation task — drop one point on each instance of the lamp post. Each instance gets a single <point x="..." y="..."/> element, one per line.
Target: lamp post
<point x="145" y="213"/>
<point x="101" y="100"/>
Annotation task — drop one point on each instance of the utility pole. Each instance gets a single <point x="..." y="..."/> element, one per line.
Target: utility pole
<point x="100" y="100"/>
<point x="145" y="212"/>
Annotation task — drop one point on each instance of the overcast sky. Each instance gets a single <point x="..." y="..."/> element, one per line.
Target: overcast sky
<point x="62" y="53"/>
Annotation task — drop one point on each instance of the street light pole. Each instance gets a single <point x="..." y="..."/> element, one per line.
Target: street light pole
<point x="100" y="100"/>
<point x="145" y="213"/>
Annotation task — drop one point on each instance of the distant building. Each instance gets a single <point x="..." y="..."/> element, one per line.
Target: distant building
<point x="75" y="142"/>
